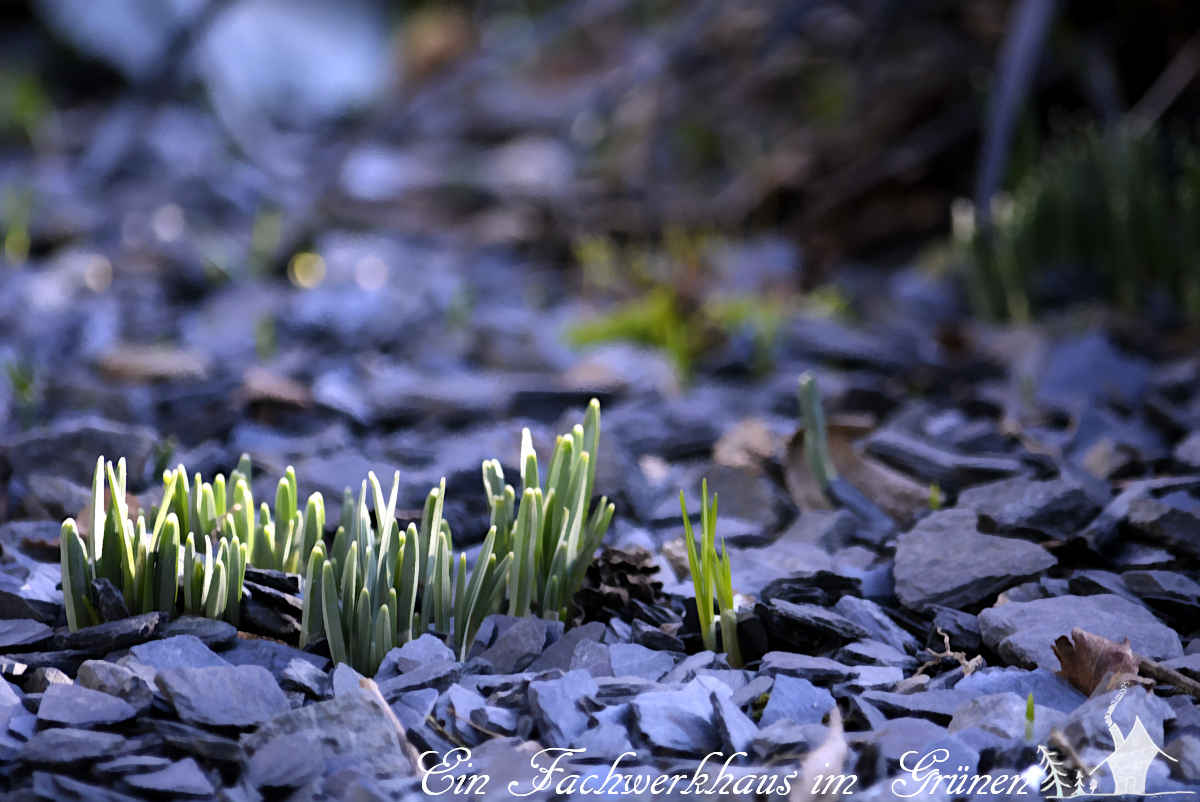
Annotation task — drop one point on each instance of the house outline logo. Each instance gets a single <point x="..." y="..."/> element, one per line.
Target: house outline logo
<point x="1127" y="764"/>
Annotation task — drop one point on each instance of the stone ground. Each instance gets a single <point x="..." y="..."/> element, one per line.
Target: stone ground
<point x="1066" y="467"/>
<point x="999" y="486"/>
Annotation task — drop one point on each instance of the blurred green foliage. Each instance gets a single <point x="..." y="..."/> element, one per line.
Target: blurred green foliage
<point x="24" y="103"/>
<point x="673" y="300"/>
<point x="1114" y="216"/>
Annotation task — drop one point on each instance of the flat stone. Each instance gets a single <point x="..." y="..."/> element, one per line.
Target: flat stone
<point x="213" y="633"/>
<point x="818" y="587"/>
<point x="930" y="463"/>
<point x="807" y="627"/>
<point x="1023" y="633"/>
<point x="1162" y="586"/>
<point x="1004" y="715"/>
<point x="18" y="605"/>
<point x="23" y="632"/>
<point x="1136" y="510"/>
<point x="67" y="745"/>
<point x="439" y="675"/>
<point x="1089" y="368"/>
<point x="116" y="680"/>
<point x="25" y="663"/>
<point x="183" y="778"/>
<point x="413" y="707"/>
<point x="937" y="706"/>
<point x="685" y="670"/>
<point x="1090" y="582"/>
<point x="560" y="653"/>
<point x="786" y="739"/>
<point x="736" y="730"/>
<point x="605" y="741"/>
<point x="556" y="706"/>
<point x="520" y="645"/>
<point x="962" y="628"/>
<point x="1187" y="450"/>
<point x="223" y="696"/>
<point x="68" y="447"/>
<point x="178" y="651"/>
<point x="653" y="637"/>
<point x="753" y="691"/>
<point x="42" y="678"/>
<point x="271" y="655"/>
<point x="75" y="706"/>
<point x="618" y="690"/>
<point x="631" y="659"/>
<point x="455" y="710"/>
<point x="356" y="729"/>
<point x="198" y="741"/>
<point x="817" y="670"/>
<point x="1051" y="508"/>
<point x="345" y="680"/>
<point x="301" y="675"/>
<point x="1048" y="689"/>
<point x="869" y="678"/>
<point x="755" y="568"/>
<point x="59" y="786"/>
<point x="278" y="580"/>
<point x="113" y="635"/>
<point x="678" y="721"/>
<point x="285" y="761"/>
<point x="425" y="649"/>
<point x="872" y="652"/>
<point x="798" y="700"/>
<point x="266" y="611"/>
<point x="871" y="617"/>
<point x="132" y="764"/>
<point x="9" y="694"/>
<point x="946" y="560"/>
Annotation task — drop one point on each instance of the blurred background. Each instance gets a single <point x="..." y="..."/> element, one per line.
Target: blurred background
<point x="215" y="211"/>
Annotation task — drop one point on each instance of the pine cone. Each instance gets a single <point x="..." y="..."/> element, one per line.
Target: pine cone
<point x="614" y="582"/>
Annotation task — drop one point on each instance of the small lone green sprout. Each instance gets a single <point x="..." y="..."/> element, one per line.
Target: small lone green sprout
<point x="1029" y="717"/>
<point x="816" y="440"/>
<point x="936" y="499"/>
<point x="711" y="575"/>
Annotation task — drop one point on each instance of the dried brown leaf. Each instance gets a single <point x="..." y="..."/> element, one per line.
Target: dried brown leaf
<point x="1090" y="658"/>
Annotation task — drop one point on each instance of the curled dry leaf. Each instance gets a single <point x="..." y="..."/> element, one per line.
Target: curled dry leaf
<point x="1087" y="659"/>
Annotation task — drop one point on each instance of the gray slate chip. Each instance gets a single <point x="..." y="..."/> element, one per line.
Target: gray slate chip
<point x="183" y="778"/>
<point x="1023" y="633"/>
<point x="223" y="696"/>
<point x="178" y="651"/>
<point x="76" y="706"/>
<point x="796" y="699"/>
<point x="68" y="745"/>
